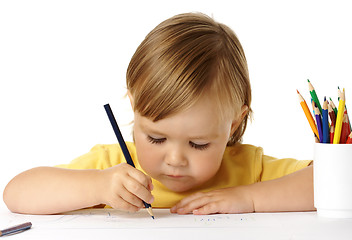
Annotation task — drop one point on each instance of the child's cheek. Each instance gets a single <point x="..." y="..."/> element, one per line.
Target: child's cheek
<point x="148" y="159"/>
<point x="207" y="167"/>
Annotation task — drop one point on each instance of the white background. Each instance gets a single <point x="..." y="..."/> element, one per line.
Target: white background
<point x="61" y="61"/>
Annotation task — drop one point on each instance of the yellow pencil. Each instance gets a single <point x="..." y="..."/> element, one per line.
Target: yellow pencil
<point x="339" y="118"/>
<point x="308" y="115"/>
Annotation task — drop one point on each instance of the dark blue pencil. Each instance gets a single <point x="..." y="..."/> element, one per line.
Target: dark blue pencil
<point x="124" y="148"/>
<point x="325" y="122"/>
<point x="319" y="122"/>
<point x="16" y="229"/>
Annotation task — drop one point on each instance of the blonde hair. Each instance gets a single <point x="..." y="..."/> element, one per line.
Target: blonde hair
<point x="184" y="58"/>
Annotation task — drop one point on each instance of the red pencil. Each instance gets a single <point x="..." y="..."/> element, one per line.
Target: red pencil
<point x="345" y="131"/>
<point x="349" y="139"/>
<point x="332" y="114"/>
<point x="332" y="131"/>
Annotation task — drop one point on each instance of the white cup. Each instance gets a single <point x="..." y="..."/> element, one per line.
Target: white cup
<point x="333" y="180"/>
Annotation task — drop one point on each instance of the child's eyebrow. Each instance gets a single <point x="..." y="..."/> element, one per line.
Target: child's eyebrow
<point x="151" y="130"/>
<point x="146" y="128"/>
<point x="210" y="136"/>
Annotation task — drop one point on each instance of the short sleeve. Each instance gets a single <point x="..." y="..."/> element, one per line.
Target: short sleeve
<point x="99" y="157"/>
<point x="275" y="168"/>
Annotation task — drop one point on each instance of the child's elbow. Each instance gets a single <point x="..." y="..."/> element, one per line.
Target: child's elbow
<point x="9" y="197"/>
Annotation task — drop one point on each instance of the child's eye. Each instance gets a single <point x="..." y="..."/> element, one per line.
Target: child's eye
<point x="156" y="140"/>
<point x="199" y="146"/>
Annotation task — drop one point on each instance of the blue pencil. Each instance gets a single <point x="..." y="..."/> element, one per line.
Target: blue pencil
<point x="313" y="105"/>
<point x="124" y="148"/>
<point x="319" y="122"/>
<point x="16" y="229"/>
<point x="325" y="122"/>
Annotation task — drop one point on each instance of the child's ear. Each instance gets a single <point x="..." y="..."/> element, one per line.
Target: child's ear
<point x="237" y="121"/>
<point x="131" y="99"/>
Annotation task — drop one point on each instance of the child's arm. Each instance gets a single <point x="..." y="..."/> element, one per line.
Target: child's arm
<point x="293" y="192"/>
<point x="49" y="190"/>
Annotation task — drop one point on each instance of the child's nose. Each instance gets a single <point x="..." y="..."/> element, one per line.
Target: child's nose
<point x="175" y="157"/>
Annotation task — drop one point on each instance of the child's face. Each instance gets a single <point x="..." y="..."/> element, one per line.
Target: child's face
<point x="185" y="150"/>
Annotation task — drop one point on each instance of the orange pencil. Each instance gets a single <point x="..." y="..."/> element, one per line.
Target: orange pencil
<point x="308" y="114"/>
<point x="349" y="139"/>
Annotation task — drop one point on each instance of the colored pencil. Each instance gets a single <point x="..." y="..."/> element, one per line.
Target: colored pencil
<point x="339" y="118"/>
<point x="314" y="95"/>
<point x="313" y="106"/>
<point x="308" y="114"/>
<point x="332" y="114"/>
<point x="332" y="131"/>
<point x="338" y="93"/>
<point x="325" y="122"/>
<point x="346" y="130"/>
<point x="348" y="118"/>
<point x="124" y="148"/>
<point x="316" y="139"/>
<point x="333" y="106"/>
<point x="16" y="229"/>
<point x="349" y="139"/>
<point x="319" y="123"/>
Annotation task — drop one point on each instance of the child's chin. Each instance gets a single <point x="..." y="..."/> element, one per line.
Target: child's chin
<point x="178" y="187"/>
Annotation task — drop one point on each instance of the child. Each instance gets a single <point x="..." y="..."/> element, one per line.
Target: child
<point x="189" y="89"/>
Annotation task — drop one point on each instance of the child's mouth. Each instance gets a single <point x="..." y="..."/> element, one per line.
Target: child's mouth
<point x="175" y="176"/>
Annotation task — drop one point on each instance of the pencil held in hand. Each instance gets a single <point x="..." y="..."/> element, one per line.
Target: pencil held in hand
<point x="124" y="148"/>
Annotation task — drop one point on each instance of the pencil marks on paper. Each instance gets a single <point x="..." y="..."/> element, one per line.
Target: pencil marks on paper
<point x="110" y="219"/>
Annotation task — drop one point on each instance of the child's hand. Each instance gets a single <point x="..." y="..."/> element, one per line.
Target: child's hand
<point x="124" y="187"/>
<point x="226" y="200"/>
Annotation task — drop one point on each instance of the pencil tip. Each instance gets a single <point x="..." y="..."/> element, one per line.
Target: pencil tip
<point x="308" y="80"/>
<point x="153" y="217"/>
<point x="297" y="91"/>
<point x="324" y="98"/>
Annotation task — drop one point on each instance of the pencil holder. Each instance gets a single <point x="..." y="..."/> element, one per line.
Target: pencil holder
<point x="333" y="180"/>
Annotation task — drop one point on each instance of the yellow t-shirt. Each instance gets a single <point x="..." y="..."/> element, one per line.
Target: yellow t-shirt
<point x="242" y="164"/>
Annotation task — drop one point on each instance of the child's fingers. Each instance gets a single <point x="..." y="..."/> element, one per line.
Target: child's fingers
<point x="189" y="204"/>
<point x="186" y="200"/>
<point x="138" y="190"/>
<point x="209" y="208"/>
<point x="141" y="178"/>
<point x="194" y="205"/>
<point x="124" y="205"/>
<point x="131" y="198"/>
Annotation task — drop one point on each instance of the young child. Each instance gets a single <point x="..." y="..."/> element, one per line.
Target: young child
<point x="189" y="88"/>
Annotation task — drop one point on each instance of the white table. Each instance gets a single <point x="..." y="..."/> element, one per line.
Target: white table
<point x="106" y="224"/>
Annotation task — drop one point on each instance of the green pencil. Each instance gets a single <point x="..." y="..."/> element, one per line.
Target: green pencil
<point x="314" y="95"/>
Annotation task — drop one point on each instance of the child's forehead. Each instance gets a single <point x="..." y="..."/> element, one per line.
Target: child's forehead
<point x="207" y="107"/>
<point x="201" y="121"/>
